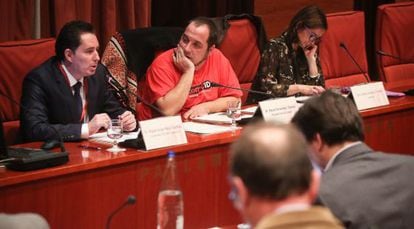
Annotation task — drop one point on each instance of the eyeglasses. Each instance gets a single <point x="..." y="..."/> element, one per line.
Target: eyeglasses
<point x="313" y="37"/>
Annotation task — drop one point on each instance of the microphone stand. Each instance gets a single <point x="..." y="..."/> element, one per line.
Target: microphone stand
<point x="115" y="84"/>
<point x="130" y="201"/>
<point x="214" y="84"/>
<point x="382" y="53"/>
<point x="342" y="45"/>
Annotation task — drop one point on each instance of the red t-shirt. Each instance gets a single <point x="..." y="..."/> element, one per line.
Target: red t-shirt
<point x="162" y="76"/>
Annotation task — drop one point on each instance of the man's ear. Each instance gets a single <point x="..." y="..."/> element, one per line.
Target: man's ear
<point x="211" y="48"/>
<point x="317" y="142"/>
<point x="68" y="55"/>
<point x="242" y="193"/>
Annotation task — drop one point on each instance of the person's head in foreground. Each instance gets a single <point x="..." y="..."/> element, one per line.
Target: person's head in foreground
<point x="270" y="172"/>
<point x="329" y="122"/>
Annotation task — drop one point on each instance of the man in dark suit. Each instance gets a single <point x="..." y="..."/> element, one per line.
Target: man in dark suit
<point x="273" y="183"/>
<point x="363" y="188"/>
<point x="69" y="91"/>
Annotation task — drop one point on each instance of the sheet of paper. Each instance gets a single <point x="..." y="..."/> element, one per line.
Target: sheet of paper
<point x="249" y="110"/>
<point x="219" y="118"/>
<point x="204" y="128"/>
<point x="302" y="99"/>
<point x="101" y="137"/>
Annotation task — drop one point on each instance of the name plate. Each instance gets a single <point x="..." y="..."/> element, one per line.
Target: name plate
<point x="279" y="110"/>
<point x="369" y="95"/>
<point x="163" y="132"/>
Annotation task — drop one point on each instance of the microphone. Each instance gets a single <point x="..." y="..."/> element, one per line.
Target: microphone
<point x="137" y="143"/>
<point x="382" y="53"/>
<point x="214" y="84"/>
<point x="129" y="201"/>
<point x="342" y="45"/>
<point x="115" y="84"/>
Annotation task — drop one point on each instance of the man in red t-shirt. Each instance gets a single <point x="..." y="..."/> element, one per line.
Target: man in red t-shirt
<point x="177" y="82"/>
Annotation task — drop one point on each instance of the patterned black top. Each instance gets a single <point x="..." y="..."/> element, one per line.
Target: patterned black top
<point x="282" y="66"/>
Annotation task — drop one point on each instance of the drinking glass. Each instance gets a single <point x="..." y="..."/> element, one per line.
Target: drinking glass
<point x="234" y="112"/>
<point x="115" y="132"/>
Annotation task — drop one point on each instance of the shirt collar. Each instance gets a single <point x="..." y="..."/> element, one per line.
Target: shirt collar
<point x="331" y="161"/>
<point x="292" y="207"/>
<point x="71" y="78"/>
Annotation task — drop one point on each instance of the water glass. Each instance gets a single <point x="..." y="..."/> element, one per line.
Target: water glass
<point x="233" y="111"/>
<point x="115" y="132"/>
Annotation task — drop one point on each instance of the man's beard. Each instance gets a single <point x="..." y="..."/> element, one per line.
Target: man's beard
<point x="202" y="60"/>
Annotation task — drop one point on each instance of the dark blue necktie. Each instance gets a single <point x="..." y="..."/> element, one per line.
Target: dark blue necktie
<point x="78" y="99"/>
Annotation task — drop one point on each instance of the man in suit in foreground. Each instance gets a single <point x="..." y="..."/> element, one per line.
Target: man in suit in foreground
<point x="273" y="183"/>
<point x="70" y="91"/>
<point x="363" y="188"/>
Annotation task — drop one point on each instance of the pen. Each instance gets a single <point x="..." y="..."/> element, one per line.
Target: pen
<point x="90" y="147"/>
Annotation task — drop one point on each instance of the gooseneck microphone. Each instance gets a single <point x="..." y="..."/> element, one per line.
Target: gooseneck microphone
<point x="382" y="53"/>
<point x="214" y="84"/>
<point x="343" y="46"/>
<point x="115" y="84"/>
<point x="137" y="143"/>
<point x="129" y="201"/>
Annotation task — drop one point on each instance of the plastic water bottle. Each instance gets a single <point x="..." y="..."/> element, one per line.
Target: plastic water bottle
<point x="170" y="198"/>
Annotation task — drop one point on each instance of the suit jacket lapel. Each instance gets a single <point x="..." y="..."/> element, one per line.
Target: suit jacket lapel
<point x="64" y="87"/>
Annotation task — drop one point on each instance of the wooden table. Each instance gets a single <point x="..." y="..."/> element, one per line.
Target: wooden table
<point x="82" y="193"/>
<point x="390" y="128"/>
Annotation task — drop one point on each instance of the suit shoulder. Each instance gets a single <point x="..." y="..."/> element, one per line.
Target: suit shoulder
<point x="44" y="70"/>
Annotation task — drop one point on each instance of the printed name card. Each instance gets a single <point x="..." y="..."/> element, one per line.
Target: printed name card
<point x="280" y="110"/>
<point x="163" y="132"/>
<point x="369" y="95"/>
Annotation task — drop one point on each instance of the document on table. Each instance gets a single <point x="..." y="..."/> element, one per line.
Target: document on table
<point x="102" y="137"/>
<point x="249" y="110"/>
<point x="219" y="118"/>
<point x="302" y="99"/>
<point x="204" y="128"/>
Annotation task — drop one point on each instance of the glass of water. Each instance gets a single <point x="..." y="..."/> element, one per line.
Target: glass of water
<point x="115" y="132"/>
<point x="233" y="111"/>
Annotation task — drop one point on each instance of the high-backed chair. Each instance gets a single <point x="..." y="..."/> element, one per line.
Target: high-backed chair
<point x="338" y="68"/>
<point x="17" y="58"/>
<point x="242" y="43"/>
<point x="394" y="37"/>
<point x="128" y="55"/>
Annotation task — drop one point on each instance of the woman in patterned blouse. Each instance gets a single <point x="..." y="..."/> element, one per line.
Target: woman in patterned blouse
<point x="290" y="64"/>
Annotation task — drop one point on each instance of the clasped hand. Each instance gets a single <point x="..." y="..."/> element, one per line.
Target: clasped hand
<point x="103" y="121"/>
